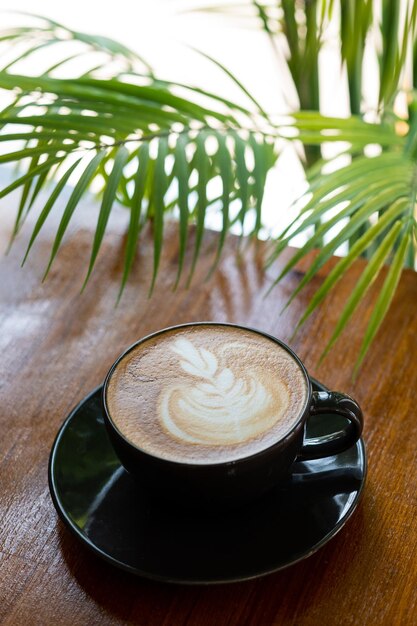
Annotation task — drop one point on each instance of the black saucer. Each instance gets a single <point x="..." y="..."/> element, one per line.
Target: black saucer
<point x="99" y="502"/>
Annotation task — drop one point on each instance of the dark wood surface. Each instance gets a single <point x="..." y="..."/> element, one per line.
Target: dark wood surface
<point x="56" y="345"/>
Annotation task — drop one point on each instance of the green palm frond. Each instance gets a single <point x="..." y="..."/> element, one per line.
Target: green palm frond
<point x="313" y="128"/>
<point x="47" y="33"/>
<point x="397" y="31"/>
<point x="298" y="30"/>
<point x="144" y="146"/>
<point x="355" y="22"/>
<point x="379" y="191"/>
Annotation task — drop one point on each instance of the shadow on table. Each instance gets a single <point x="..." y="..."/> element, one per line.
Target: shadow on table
<point x="291" y="593"/>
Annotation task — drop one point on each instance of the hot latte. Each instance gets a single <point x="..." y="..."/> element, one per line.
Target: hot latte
<point x="206" y="394"/>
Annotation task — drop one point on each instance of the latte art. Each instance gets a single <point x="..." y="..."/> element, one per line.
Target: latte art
<point x="216" y="407"/>
<point x="206" y="393"/>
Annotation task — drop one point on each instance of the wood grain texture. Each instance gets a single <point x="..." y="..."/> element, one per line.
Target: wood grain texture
<point x="56" y="345"/>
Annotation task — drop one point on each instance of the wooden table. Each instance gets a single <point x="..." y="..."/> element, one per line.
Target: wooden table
<point x="56" y="345"/>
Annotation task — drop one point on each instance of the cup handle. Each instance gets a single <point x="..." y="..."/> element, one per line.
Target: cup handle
<point x="335" y="403"/>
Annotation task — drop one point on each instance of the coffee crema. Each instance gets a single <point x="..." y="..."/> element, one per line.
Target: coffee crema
<point x="206" y="394"/>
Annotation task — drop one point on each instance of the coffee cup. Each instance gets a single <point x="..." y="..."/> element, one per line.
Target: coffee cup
<point x="215" y="414"/>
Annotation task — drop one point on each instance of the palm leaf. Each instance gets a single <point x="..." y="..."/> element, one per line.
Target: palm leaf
<point x="53" y="33"/>
<point x="362" y="243"/>
<point x="181" y="170"/>
<point x="109" y="195"/>
<point x="343" y="265"/>
<point x="366" y="279"/>
<point x="49" y="205"/>
<point x="235" y="80"/>
<point x="386" y="296"/>
<point x="135" y="212"/>
<point x="26" y="190"/>
<point x="242" y="177"/>
<point x="224" y="161"/>
<point x="160" y="188"/>
<point x="202" y="165"/>
<point x="122" y="113"/>
<point x="29" y="175"/>
<point x="389" y="31"/>
<point x="378" y="201"/>
<point x="75" y="197"/>
<point x="26" y="203"/>
<point x="353" y="183"/>
<point x="40" y="183"/>
<point x="36" y="47"/>
<point x="259" y="180"/>
<point x="355" y="21"/>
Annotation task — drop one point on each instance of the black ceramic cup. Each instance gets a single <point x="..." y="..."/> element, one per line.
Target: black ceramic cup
<point x="232" y="483"/>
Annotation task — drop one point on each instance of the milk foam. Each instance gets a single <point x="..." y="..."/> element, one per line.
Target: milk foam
<point x="206" y="393"/>
<point x="214" y="405"/>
